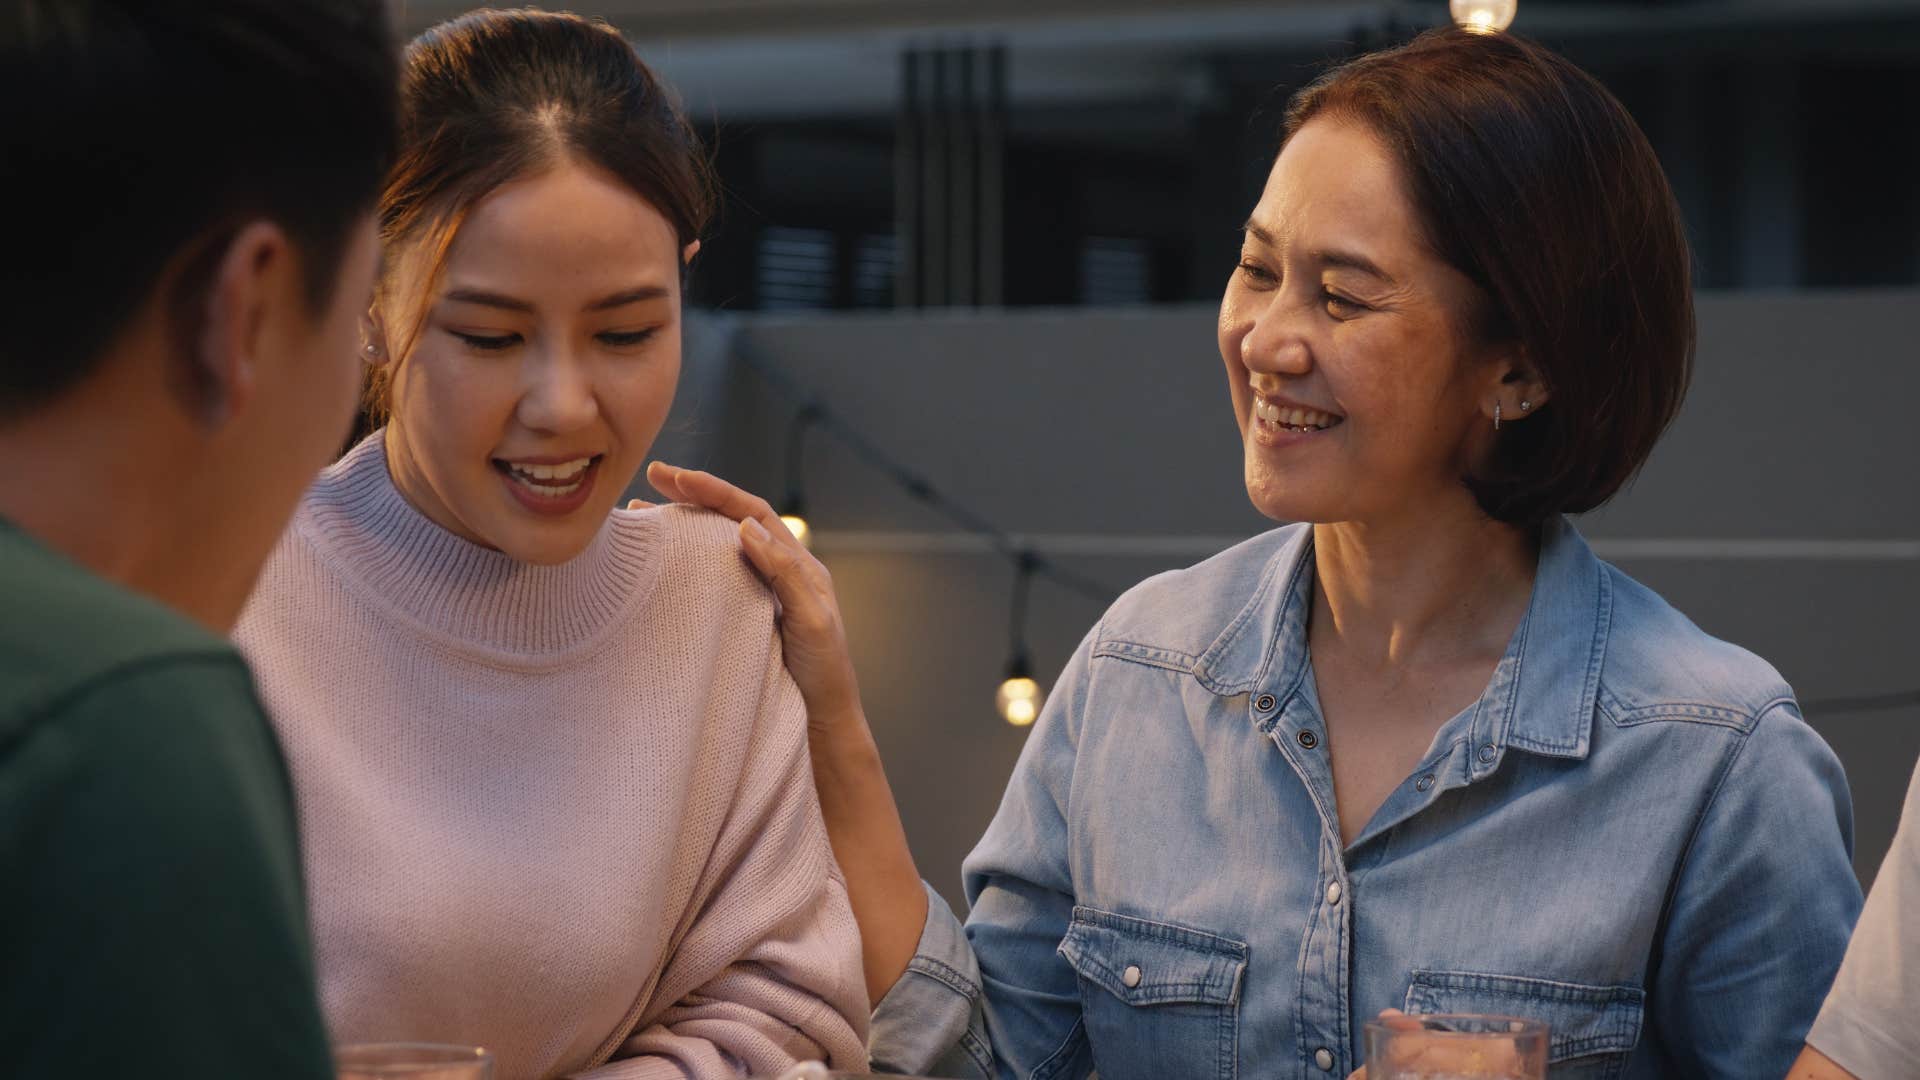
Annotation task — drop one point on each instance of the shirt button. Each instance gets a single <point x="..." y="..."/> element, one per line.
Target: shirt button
<point x="1424" y="782"/>
<point x="1264" y="703"/>
<point x="1487" y="752"/>
<point x="1333" y="893"/>
<point x="1323" y="1057"/>
<point x="1131" y="976"/>
<point x="1308" y="739"/>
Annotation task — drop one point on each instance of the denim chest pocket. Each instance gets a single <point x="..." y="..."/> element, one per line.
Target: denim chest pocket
<point x="1591" y="1030"/>
<point x="1156" y="999"/>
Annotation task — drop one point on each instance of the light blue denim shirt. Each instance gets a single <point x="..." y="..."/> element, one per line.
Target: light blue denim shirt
<point x="1632" y="835"/>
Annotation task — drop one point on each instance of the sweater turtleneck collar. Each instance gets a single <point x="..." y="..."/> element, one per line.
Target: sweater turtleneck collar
<point x="473" y="596"/>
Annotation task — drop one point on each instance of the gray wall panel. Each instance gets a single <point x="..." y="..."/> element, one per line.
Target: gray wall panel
<point x="1799" y="426"/>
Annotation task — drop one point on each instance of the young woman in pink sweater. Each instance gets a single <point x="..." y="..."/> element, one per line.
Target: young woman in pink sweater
<point x="552" y="774"/>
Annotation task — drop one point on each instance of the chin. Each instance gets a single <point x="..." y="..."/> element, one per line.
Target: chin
<point x="1279" y="499"/>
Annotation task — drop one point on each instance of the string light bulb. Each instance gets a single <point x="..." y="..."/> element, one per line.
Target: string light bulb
<point x="793" y="512"/>
<point x="1483" y="16"/>
<point x="796" y="523"/>
<point x="1019" y="698"/>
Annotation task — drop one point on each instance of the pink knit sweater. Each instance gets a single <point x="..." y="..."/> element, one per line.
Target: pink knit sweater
<point x="561" y="812"/>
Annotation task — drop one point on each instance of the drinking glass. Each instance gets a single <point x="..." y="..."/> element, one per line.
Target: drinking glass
<point x="1456" y="1047"/>
<point x="411" y="1061"/>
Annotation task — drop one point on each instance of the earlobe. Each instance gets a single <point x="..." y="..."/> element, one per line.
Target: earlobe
<point x="373" y="338"/>
<point x="1521" y="388"/>
<point x="687" y="253"/>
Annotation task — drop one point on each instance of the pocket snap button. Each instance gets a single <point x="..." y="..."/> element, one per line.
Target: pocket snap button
<point x="1131" y="976"/>
<point x="1487" y="752"/>
<point x="1424" y="782"/>
<point x="1264" y="703"/>
<point x="1309" y="740"/>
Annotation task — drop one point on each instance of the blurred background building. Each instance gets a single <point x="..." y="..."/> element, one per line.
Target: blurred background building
<point x="986" y="237"/>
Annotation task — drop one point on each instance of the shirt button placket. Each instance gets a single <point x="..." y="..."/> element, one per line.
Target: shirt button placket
<point x="1324" y="1003"/>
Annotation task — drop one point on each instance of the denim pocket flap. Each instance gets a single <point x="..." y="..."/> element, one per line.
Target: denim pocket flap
<point x="1581" y="1019"/>
<point x="1142" y="962"/>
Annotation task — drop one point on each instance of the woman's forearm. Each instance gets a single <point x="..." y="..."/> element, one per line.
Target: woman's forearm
<point x="863" y="825"/>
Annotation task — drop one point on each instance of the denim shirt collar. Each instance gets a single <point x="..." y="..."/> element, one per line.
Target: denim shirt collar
<point x="1542" y="696"/>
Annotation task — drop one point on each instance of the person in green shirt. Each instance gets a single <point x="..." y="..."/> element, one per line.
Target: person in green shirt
<point x="189" y="250"/>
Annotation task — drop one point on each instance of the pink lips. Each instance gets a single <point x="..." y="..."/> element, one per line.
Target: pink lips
<point x="552" y="505"/>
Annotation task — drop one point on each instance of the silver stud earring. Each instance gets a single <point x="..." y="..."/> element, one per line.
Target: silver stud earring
<point x="372" y="350"/>
<point x="1496" y="416"/>
<point x="1525" y="405"/>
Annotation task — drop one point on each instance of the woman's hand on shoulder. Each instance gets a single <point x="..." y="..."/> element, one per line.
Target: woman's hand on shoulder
<point x="811" y="630"/>
<point x="863" y="822"/>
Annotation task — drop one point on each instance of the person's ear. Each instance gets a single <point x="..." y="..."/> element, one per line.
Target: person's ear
<point x="375" y="346"/>
<point x="254" y="281"/>
<point x="687" y="253"/>
<point x="1518" y="391"/>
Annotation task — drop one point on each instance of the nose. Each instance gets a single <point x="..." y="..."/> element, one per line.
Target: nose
<point x="557" y="394"/>
<point x="1277" y="344"/>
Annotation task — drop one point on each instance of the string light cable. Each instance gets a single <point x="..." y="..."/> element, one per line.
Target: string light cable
<point x="1018" y="684"/>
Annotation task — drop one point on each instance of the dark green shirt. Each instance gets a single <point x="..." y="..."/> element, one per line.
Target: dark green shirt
<point x="152" y="920"/>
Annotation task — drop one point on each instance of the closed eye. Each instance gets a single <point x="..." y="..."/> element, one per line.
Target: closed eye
<point x="1341" y="307"/>
<point x="487" y="342"/>
<point x="625" y="339"/>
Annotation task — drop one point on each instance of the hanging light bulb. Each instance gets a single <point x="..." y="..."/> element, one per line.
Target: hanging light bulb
<point x="1020" y="697"/>
<point x="793" y="512"/>
<point x="796" y="523"/>
<point x="1483" y="16"/>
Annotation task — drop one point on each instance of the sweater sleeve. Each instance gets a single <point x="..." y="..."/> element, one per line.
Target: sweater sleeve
<point x="767" y="972"/>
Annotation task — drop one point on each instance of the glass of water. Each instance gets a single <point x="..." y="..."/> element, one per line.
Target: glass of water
<point x="411" y="1061"/>
<point x="1456" y="1047"/>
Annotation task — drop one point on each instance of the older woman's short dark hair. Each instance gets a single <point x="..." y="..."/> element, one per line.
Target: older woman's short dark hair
<point x="1531" y="179"/>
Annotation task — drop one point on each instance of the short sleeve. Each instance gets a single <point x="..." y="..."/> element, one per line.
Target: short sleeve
<point x="153" y="917"/>
<point x="1867" y="1025"/>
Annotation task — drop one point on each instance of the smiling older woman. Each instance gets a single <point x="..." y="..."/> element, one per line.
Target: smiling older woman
<point x="1422" y="750"/>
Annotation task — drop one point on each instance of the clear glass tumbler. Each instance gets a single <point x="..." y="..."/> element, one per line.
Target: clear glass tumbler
<point x="1456" y="1047"/>
<point x="411" y="1061"/>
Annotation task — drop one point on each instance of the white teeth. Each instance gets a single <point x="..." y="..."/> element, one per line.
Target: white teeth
<point x="566" y="472"/>
<point x="1293" y="416"/>
<point x="550" y="490"/>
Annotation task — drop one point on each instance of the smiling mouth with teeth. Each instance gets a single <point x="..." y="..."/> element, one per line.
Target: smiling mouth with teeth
<point x="1292" y="418"/>
<point x="555" y="481"/>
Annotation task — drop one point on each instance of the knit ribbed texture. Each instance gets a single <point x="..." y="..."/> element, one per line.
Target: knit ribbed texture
<point x="563" y="812"/>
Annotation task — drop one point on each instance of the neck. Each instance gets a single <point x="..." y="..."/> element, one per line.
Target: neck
<point x="1445" y="584"/>
<point x="103" y="488"/>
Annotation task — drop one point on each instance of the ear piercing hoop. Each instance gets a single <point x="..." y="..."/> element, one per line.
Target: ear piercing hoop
<point x="1524" y="407"/>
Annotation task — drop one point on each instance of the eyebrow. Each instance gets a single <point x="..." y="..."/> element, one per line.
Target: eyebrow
<point x="1347" y="260"/>
<point x="1352" y="261"/>
<point x="509" y="303"/>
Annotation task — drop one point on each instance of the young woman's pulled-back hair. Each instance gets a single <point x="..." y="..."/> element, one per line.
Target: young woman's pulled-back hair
<point x="500" y="95"/>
